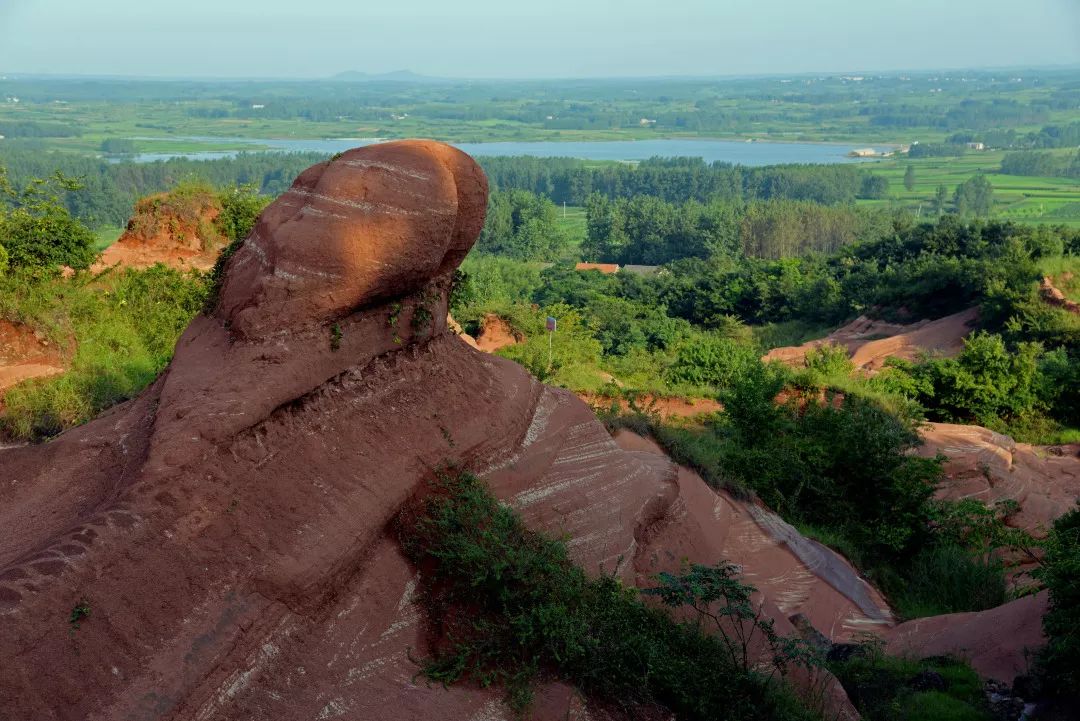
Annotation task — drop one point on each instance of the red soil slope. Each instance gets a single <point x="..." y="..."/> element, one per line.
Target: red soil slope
<point x="496" y="333"/>
<point x="662" y="406"/>
<point x="870" y="342"/>
<point x="155" y="234"/>
<point x="229" y="528"/>
<point x="24" y="355"/>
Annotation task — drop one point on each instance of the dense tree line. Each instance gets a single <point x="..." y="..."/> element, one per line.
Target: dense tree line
<point x="649" y="231"/>
<point x="566" y="180"/>
<point x="969" y="114"/>
<point x="521" y="225"/>
<point x="35" y="129"/>
<point x="927" y="269"/>
<point x="1035" y="162"/>
<point x="109" y="190"/>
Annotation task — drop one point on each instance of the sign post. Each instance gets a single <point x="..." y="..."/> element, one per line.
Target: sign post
<point x="552" y="324"/>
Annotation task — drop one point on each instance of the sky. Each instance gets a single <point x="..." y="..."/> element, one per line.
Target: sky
<point x="532" y="39"/>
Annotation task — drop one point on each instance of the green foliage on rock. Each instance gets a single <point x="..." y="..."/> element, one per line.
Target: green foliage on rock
<point x="240" y="208"/>
<point x="532" y="613"/>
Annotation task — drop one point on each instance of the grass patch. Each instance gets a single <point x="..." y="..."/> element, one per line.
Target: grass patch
<point x="118" y="329"/>
<point x="788" y="333"/>
<point x="889" y="688"/>
<point x="509" y="608"/>
<point x="946" y="578"/>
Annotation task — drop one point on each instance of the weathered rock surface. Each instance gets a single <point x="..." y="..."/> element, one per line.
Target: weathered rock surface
<point x="990" y="467"/>
<point x="999" y="642"/>
<point x="870" y="342"/>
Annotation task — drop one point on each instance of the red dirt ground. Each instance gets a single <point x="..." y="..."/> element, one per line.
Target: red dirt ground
<point x="496" y="333"/>
<point x="24" y="355"/>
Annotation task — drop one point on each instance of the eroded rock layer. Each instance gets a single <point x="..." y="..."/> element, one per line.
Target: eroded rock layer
<point x="1044" y="481"/>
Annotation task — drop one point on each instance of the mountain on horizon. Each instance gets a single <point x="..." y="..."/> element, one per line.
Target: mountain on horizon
<point x="403" y="76"/>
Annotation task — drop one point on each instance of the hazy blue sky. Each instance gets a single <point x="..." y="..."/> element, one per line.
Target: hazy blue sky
<point x="532" y="38"/>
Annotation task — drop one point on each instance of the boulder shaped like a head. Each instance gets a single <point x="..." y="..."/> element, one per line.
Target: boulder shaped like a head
<point x="372" y="224"/>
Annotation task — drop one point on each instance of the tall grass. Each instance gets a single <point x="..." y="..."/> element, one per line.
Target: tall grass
<point x="946" y="578"/>
<point x="117" y="331"/>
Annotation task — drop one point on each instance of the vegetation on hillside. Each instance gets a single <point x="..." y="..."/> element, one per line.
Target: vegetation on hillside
<point x="1059" y="663"/>
<point x="532" y="614"/>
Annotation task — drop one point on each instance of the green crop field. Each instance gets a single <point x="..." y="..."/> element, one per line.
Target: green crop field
<point x="1016" y="197"/>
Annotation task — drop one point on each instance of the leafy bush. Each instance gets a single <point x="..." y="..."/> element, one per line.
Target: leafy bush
<point x="36" y="230"/>
<point x="946" y="578"/>
<point x="710" y="360"/>
<point x="508" y="605"/>
<point x="887" y="688"/>
<point x="829" y="360"/>
<point x="240" y="208"/>
<point x="836" y="463"/>
<point x="1059" y="663"/>
<point x="985" y="382"/>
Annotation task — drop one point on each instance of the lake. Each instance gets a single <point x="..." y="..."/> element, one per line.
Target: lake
<point x="728" y="151"/>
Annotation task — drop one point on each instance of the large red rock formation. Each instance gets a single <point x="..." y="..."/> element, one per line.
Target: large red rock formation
<point x="228" y="530"/>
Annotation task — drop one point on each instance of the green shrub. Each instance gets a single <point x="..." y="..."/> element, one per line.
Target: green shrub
<point x="824" y="462"/>
<point x="829" y="359"/>
<point x="1059" y="663"/>
<point x="37" y="231"/>
<point x="883" y="688"/>
<point x="711" y="360"/>
<point x="946" y="578"/>
<point x="240" y="208"/>
<point x="508" y="606"/>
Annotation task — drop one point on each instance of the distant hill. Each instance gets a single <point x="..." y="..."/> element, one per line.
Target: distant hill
<point x="399" y="76"/>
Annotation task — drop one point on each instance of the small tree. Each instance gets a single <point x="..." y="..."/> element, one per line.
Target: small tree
<point x="722" y="601"/>
<point x="38" y="231"/>
<point x="1060" y="660"/>
<point x="941" y="197"/>
<point x="909" y="178"/>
